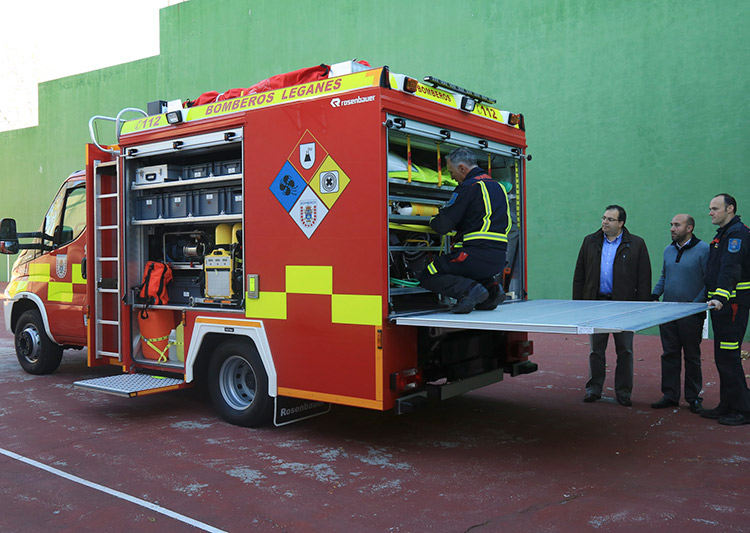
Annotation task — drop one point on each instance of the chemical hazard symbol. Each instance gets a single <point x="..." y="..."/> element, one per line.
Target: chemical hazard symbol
<point x="329" y="181"/>
<point x="307" y="155"/>
<point x="288" y="186"/>
<point x="309" y="183"/>
<point x="308" y="212"/>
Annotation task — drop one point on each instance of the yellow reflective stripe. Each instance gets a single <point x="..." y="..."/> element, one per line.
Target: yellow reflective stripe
<point x="309" y="279"/>
<point x="162" y="353"/>
<point x="360" y="309"/>
<point x="743" y="285"/>
<point x="77" y="274"/>
<point x="39" y="272"/>
<point x="431" y="268"/>
<point x="266" y="305"/>
<point x="722" y="292"/>
<point x="487" y="208"/>
<point x="60" y="291"/>
<point x="491" y="236"/>
<point x="729" y="345"/>
<point x="733" y="294"/>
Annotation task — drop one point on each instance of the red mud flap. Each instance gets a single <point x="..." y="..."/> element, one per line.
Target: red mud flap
<point x="131" y="385"/>
<point x="290" y="410"/>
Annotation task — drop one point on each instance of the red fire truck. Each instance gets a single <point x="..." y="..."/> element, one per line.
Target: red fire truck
<point x="294" y="221"/>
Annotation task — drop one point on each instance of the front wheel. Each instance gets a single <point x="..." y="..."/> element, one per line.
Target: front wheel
<point x="238" y="384"/>
<point x="36" y="352"/>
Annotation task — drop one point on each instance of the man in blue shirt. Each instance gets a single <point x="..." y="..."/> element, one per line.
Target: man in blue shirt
<point x="613" y="264"/>
<point x="681" y="280"/>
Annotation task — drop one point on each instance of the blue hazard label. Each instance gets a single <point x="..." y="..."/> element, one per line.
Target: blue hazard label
<point x="288" y="186"/>
<point x="734" y="245"/>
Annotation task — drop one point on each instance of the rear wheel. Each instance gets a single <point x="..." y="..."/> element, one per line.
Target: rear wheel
<point x="238" y="384"/>
<point x="36" y="352"/>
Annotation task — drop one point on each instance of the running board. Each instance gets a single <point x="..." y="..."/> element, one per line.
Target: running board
<point x="131" y="385"/>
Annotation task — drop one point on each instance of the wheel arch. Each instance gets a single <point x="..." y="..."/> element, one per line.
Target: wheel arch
<point x="209" y="333"/>
<point x="28" y="301"/>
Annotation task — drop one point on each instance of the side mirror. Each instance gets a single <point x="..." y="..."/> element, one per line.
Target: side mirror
<point x="8" y="236"/>
<point x="63" y="235"/>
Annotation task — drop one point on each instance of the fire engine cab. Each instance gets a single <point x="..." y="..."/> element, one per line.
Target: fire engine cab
<point x="293" y="222"/>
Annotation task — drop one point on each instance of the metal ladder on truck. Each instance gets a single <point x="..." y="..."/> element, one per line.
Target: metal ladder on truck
<point x="108" y="271"/>
<point x="107" y="267"/>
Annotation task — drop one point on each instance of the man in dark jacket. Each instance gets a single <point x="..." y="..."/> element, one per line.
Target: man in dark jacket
<point x="728" y="284"/>
<point x="478" y="211"/>
<point x="613" y="264"/>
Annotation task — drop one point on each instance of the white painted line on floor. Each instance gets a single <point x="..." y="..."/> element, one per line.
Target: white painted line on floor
<point x="112" y="492"/>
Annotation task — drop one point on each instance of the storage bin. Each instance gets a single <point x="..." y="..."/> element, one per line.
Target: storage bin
<point x="227" y="168"/>
<point x="233" y="201"/>
<point x="148" y="207"/>
<point x="209" y="202"/>
<point x="204" y="170"/>
<point x="177" y="205"/>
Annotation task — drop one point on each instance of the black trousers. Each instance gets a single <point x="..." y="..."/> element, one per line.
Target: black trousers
<point x="729" y="327"/>
<point x="682" y="338"/>
<point x="455" y="273"/>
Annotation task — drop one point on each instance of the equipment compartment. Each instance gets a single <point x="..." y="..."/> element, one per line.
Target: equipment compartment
<point x="186" y="221"/>
<point x="419" y="183"/>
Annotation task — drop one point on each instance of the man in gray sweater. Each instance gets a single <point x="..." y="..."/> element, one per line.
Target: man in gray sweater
<point x="682" y="281"/>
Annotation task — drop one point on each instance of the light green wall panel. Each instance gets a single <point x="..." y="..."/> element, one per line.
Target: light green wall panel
<point x="635" y="102"/>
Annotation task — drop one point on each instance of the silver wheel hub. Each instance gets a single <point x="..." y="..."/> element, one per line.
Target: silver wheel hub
<point x="237" y="383"/>
<point x="29" y="344"/>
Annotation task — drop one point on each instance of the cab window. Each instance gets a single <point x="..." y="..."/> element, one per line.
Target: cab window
<point x="74" y="216"/>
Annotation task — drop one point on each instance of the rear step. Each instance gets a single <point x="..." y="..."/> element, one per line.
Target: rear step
<point x="131" y="385"/>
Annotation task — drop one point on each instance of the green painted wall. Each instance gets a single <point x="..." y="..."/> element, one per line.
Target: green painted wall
<point x="636" y="102"/>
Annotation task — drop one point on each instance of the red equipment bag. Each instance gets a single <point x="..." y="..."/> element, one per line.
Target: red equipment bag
<point x="153" y="290"/>
<point x="303" y="75"/>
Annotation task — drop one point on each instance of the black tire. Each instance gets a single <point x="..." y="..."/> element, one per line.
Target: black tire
<point x="238" y="384"/>
<point x="36" y="352"/>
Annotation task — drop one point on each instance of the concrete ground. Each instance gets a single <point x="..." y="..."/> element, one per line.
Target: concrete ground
<point x="522" y="455"/>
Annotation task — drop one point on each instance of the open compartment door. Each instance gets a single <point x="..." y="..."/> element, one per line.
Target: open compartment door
<point x="103" y="257"/>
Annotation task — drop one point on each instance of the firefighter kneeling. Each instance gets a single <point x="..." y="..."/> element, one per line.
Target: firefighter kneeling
<point x="478" y="211"/>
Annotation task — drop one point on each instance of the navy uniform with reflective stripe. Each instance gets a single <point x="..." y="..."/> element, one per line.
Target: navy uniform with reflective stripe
<point x="728" y="281"/>
<point x="478" y="211"/>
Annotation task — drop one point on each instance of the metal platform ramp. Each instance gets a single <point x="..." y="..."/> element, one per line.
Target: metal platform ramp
<point x="130" y="385"/>
<point x="561" y="316"/>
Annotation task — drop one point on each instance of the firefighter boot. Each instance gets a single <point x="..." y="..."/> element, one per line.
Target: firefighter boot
<point x="495" y="298"/>
<point x="466" y="304"/>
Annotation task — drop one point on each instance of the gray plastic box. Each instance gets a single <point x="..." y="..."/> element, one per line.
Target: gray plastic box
<point x="177" y="205"/>
<point x="209" y="202"/>
<point x="227" y="168"/>
<point x="148" y="207"/>
<point x="234" y="200"/>
<point x="204" y="170"/>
